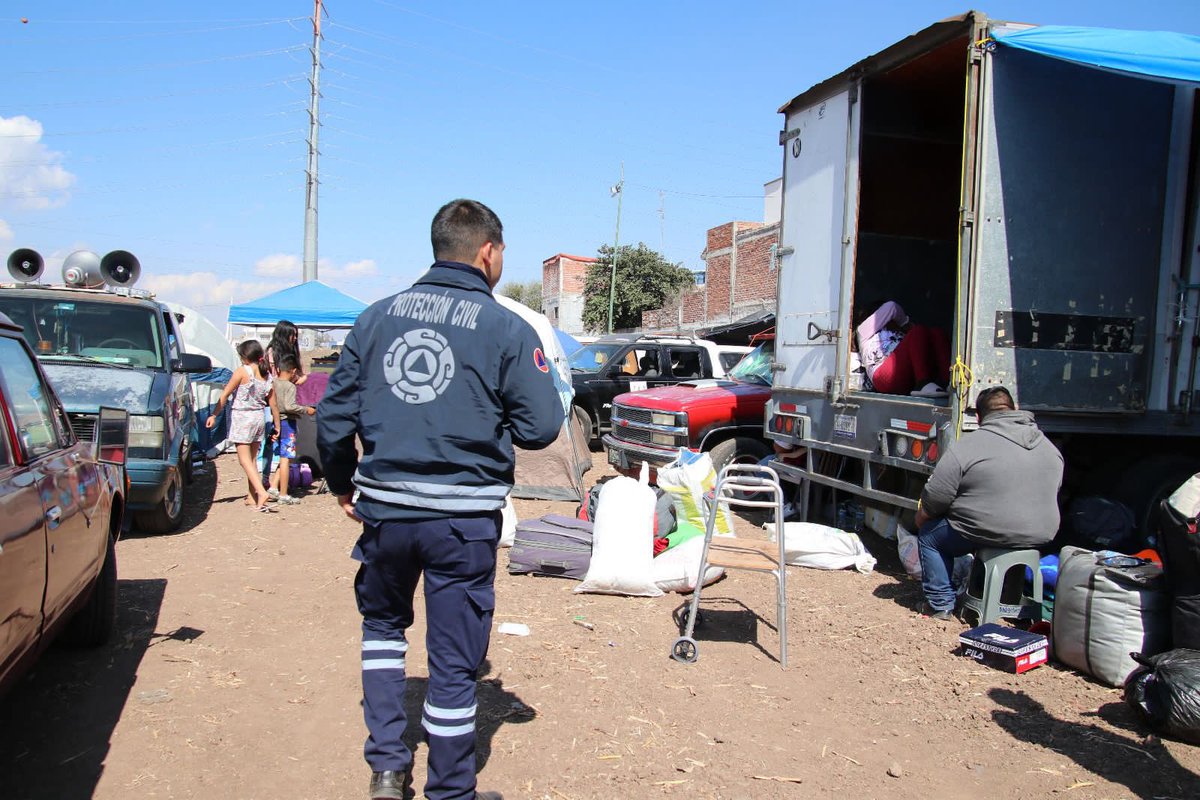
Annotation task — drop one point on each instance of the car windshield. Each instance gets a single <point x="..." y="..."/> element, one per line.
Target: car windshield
<point x="66" y="329"/>
<point x="756" y="366"/>
<point x="591" y="357"/>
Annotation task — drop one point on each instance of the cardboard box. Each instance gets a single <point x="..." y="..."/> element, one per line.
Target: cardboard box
<point x="1004" y="648"/>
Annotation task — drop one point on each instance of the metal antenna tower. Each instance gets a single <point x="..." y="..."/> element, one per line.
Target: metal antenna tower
<point x="314" y="127"/>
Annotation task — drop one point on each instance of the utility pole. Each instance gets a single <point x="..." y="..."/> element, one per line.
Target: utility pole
<point x="314" y="127"/>
<point x="662" y="222"/>
<point x="619" y="191"/>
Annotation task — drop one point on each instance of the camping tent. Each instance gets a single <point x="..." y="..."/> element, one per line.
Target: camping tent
<point x="555" y="473"/>
<point x="308" y="305"/>
<point x="201" y="336"/>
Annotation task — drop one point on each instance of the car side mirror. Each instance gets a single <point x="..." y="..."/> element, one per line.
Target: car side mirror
<point x="112" y="435"/>
<point x="193" y="363"/>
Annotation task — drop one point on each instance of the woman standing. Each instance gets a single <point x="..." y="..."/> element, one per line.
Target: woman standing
<point x="285" y="341"/>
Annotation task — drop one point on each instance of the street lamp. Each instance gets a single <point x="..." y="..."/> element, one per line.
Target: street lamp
<point x="615" y="191"/>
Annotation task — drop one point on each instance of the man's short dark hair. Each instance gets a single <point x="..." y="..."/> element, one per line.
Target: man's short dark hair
<point x="994" y="398"/>
<point x="288" y="364"/>
<point x="461" y="227"/>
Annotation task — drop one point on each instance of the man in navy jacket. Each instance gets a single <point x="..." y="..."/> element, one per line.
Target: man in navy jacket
<point x="437" y="383"/>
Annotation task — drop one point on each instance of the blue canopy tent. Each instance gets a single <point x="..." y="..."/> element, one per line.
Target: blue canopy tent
<point x="569" y="343"/>
<point x="308" y="305"/>
<point x="1151" y="54"/>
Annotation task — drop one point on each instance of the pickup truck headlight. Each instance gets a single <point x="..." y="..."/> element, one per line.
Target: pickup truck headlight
<point x="145" y="432"/>
<point x="657" y="418"/>
<point x="663" y="439"/>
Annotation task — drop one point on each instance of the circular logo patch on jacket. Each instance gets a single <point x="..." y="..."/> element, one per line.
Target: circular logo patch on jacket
<point x="539" y="360"/>
<point x="419" y="366"/>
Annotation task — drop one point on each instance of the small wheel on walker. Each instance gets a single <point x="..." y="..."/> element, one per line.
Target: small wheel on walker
<point x="684" y="650"/>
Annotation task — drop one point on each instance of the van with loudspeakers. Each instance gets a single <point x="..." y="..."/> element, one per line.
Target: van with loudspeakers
<point x="104" y="343"/>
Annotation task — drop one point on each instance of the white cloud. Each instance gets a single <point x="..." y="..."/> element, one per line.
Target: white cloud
<point x="279" y="265"/>
<point x="285" y="265"/>
<point x="31" y="174"/>
<point x="6" y="233"/>
<point x="365" y="268"/>
<point x="207" y="288"/>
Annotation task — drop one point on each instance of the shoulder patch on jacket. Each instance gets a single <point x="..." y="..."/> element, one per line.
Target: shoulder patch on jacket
<point x="539" y="360"/>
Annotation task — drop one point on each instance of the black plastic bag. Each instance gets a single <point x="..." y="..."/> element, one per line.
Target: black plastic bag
<point x="1166" y="690"/>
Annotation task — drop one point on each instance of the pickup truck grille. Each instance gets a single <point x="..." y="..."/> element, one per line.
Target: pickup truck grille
<point x="635" y="415"/>
<point x="84" y="426"/>
<point x="633" y="425"/>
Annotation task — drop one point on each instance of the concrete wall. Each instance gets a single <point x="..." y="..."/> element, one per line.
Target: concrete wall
<point x="563" y="278"/>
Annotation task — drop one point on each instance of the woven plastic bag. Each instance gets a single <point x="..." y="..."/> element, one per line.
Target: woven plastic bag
<point x="807" y="544"/>
<point x="622" y="541"/>
<point x="688" y="479"/>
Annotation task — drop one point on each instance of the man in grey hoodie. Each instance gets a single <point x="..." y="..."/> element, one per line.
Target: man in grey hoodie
<point x="996" y="487"/>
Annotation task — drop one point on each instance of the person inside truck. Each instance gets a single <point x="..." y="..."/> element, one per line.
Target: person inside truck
<point x="685" y="365"/>
<point x="648" y="366"/>
<point x="996" y="487"/>
<point x="901" y="357"/>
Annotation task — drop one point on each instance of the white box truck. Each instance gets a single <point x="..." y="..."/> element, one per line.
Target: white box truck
<point x="1034" y="193"/>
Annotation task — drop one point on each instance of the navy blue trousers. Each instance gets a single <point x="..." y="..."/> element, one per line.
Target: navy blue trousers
<point x="458" y="559"/>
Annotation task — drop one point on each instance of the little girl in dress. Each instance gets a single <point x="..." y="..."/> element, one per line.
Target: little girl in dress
<point x="251" y="394"/>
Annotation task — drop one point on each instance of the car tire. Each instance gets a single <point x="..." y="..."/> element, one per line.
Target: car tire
<point x="93" y="624"/>
<point x="739" y="450"/>
<point x="1146" y="483"/>
<point x="166" y="516"/>
<point x="585" y="421"/>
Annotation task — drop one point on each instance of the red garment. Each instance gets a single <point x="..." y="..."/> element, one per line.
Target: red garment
<point x="923" y="356"/>
<point x="660" y="545"/>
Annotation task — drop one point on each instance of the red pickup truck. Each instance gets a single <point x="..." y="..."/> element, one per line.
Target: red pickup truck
<point x="720" y="416"/>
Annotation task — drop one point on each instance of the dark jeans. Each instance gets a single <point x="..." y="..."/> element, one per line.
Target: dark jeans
<point x="938" y="545"/>
<point x="268" y="452"/>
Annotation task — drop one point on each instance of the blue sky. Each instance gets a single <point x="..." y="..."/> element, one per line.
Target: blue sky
<point x="177" y="130"/>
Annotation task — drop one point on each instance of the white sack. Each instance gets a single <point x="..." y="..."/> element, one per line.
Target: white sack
<point x="508" y="523"/>
<point x="675" y="570"/>
<point x="622" y="541"/>
<point x="807" y="544"/>
<point x="910" y="557"/>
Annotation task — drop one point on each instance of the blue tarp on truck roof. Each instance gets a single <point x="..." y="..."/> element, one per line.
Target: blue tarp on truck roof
<point x="1152" y="54"/>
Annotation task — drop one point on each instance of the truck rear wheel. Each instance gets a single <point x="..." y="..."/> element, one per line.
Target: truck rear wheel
<point x="739" y="450"/>
<point x="166" y="516"/>
<point x="1146" y="483"/>
<point x="93" y="624"/>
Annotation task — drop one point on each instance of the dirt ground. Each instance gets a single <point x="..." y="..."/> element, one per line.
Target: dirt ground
<point x="235" y="674"/>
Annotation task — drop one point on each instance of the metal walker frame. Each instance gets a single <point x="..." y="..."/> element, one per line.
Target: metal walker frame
<point x="746" y="485"/>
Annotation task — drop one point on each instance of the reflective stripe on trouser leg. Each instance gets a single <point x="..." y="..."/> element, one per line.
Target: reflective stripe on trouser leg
<point x="459" y="599"/>
<point x="384" y="589"/>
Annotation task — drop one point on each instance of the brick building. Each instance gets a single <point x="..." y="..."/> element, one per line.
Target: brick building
<point x="562" y="291"/>
<point x="740" y="276"/>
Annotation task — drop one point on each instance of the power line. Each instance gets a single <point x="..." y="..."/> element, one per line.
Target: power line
<point x="91" y="68"/>
<point x="144" y="98"/>
<point x="136" y="36"/>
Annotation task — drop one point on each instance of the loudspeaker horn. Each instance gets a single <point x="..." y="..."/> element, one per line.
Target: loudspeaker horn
<point x="82" y="269"/>
<point x="120" y="268"/>
<point x="25" y="265"/>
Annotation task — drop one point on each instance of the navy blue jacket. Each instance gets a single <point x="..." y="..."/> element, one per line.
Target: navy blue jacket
<point x="437" y="382"/>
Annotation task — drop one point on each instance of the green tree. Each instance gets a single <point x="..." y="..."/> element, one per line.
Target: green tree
<point x="645" y="280"/>
<point x="528" y="293"/>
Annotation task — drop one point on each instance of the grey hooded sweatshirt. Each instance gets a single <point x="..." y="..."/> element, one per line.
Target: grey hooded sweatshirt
<point x="999" y="485"/>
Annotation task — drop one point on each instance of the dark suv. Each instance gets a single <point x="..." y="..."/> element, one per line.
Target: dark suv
<point x="62" y="499"/>
<point x="613" y="365"/>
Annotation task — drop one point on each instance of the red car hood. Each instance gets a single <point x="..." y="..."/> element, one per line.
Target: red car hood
<point x="693" y="394"/>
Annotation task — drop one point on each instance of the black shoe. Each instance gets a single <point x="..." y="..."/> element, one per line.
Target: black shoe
<point x="389" y="785"/>
<point x="933" y="613"/>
